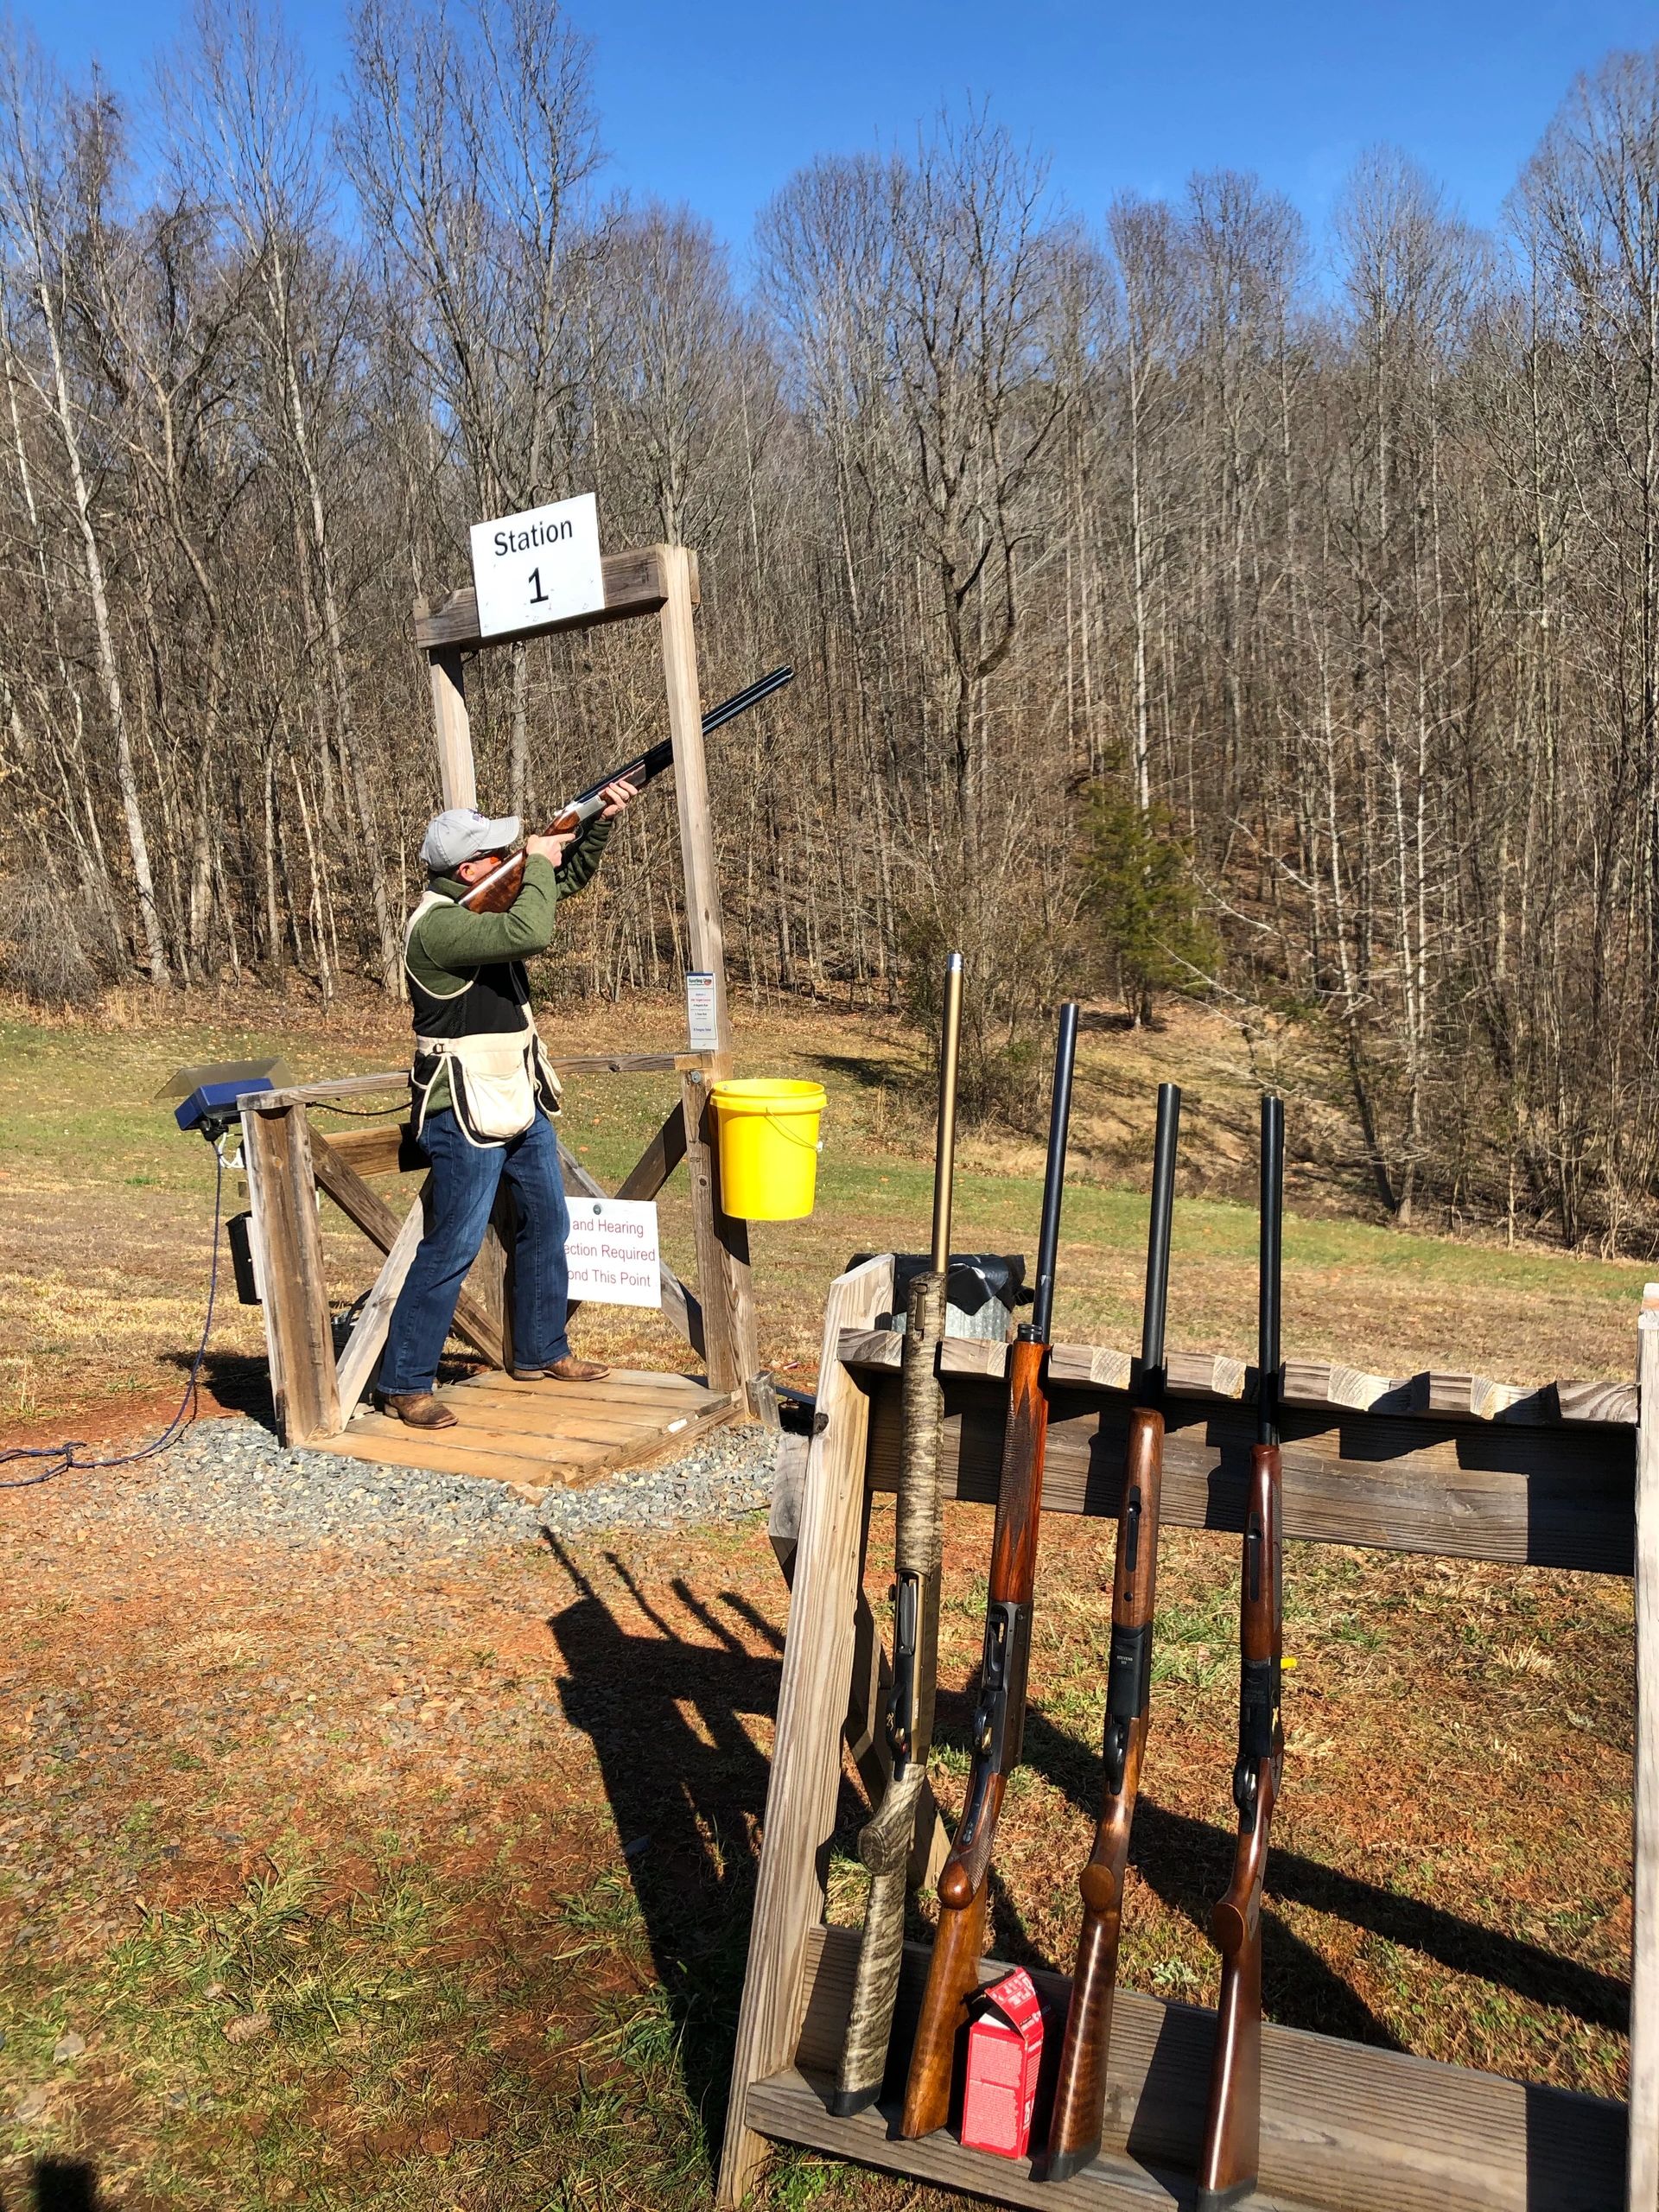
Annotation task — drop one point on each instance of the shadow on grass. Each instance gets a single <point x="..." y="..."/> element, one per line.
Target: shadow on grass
<point x="869" y="1073"/>
<point x="1187" y="1862"/>
<point x="64" y="2185"/>
<point x="670" y="1722"/>
<point x="669" y="1719"/>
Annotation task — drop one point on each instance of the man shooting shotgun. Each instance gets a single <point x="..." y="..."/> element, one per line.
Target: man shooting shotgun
<point x="964" y="1884"/>
<point x="484" y="1092"/>
<point x="884" y="1844"/>
<point x="1233" y="2135"/>
<point x="1080" y="2089"/>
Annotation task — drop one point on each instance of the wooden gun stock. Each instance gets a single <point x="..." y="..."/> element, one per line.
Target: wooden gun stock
<point x="999" y="1716"/>
<point x="1080" y="2088"/>
<point x="964" y="1884"/>
<point x="1232" y="2134"/>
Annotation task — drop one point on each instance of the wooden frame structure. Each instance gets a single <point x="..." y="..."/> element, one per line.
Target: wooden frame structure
<point x="289" y="1161"/>
<point x="1448" y="1464"/>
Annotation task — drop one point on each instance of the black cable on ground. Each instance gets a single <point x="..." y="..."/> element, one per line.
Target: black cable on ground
<point x="63" y="1457"/>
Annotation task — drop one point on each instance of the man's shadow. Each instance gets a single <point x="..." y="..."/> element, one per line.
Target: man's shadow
<point x="670" y="1719"/>
<point x="669" y="1710"/>
<point x="64" y="2185"/>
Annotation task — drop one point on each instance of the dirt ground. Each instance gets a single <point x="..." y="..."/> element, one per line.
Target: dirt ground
<point x="327" y="1881"/>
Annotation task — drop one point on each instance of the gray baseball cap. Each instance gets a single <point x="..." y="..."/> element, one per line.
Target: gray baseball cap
<point x="461" y="833"/>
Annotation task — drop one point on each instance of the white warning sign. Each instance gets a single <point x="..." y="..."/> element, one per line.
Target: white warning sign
<point x="611" y="1253"/>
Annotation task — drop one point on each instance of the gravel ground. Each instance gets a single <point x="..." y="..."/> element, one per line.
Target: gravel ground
<point x="230" y="1477"/>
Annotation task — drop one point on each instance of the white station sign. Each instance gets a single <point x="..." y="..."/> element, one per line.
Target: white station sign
<point x="611" y="1253"/>
<point x="542" y="566"/>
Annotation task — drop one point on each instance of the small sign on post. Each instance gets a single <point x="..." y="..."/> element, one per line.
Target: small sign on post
<point x="539" y="567"/>
<point x="701" y="1015"/>
<point x="612" y="1252"/>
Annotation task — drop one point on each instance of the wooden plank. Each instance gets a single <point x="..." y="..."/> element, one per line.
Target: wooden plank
<point x="793" y="2108"/>
<point x="367" y="1211"/>
<point x="1431" y="1397"/>
<point x="299" y="1329"/>
<point x="452" y="725"/>
<point x="618" y="1392"/>
<point x="383" y="1149"/>
<point x="658" y="1161"/>
<point x="318" y="1094"/>
<point x="1598" y="1402"/>
<point x="631" y="1063"/>
<point x="730" y="1343"/>
<point x="634" y="586"/>
<point x="394" y="1446"/>
<point x="1643" y="2184"/>
<point x="1559" y="1497"/>
<point x="811" y="1705"/>
<point x="368" y="1336"/>
<point x="680" y="1307"/>
<point x="1344" y="2127"/>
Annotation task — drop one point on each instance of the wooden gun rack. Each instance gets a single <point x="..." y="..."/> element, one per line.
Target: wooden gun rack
<point x="1446" y="1464"/>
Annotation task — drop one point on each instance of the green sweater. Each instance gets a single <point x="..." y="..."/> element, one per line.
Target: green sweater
<point x="450" y="943"/>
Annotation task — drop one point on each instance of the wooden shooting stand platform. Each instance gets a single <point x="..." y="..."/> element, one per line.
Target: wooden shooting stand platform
<point x="532" y="1436"/>
<point x="1446" y="1464"/>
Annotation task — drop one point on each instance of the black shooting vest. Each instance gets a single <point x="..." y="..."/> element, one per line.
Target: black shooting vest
<point x="493" y="1001"/>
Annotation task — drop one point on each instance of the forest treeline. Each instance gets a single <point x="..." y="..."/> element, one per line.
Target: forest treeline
<point x="1174" y="603"/>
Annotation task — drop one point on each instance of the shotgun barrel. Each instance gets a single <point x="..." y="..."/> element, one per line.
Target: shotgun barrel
<point x="1080" y="2086"/>
<point x="999" y="1716"/>
<point x="1233" y="2135"/>
<point x="494" y="893"/>
<point x="883" y="1844"/>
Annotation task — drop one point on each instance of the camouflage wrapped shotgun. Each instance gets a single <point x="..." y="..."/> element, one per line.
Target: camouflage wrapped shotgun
<point x="999" y="1716"/>
<point x="1080" y="2088"/>
<point x="884" y="1844"/>
<point x="1233" y="2135"/>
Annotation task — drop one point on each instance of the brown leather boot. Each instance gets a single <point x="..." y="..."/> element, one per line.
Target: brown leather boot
<point x="419" y="1408"/>
<point x="572" y="1370"/>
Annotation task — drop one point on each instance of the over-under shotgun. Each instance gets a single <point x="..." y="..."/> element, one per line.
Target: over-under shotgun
<point x="1080" y="2088"/>
<point x="884" y="1844"/>
<point x="999" y="1716"/>
<point x="1233" y="2135"/>
<point x="494" y="893"/>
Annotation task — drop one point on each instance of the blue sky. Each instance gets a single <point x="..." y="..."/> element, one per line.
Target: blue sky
<point x="715" y="103"/>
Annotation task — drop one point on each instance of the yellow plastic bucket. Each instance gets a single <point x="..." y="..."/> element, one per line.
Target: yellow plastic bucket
<point x="768" y="1137"/>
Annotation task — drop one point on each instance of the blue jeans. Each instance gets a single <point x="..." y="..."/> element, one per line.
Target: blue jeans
<point x="465" y="1180"/>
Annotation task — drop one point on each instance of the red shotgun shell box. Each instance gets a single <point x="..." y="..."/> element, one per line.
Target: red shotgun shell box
<point x="1005" y="2051"/>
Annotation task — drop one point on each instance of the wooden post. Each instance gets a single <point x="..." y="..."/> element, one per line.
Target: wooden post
<point x="454" y="729"/>
<point x="1641" y="2186"/>
<point x="368" y="1337"/>
<point x="723" y="1243"/>
<point x="299" y="1333"/>
<point x="811" y="1707"/>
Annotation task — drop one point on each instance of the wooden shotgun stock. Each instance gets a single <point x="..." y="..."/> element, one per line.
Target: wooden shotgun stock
<point x="884" y="1844"/>
<point x="1080" y="2086"/>
<point x="999" y="1718"/>
<point x="1232" y="2137"/>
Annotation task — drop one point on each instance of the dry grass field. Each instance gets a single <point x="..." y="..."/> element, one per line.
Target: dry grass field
<point x="331" y="1880"/>
<point x="106" y="1209"/>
